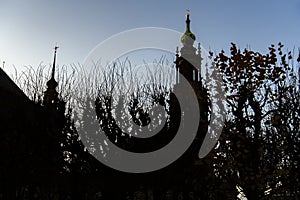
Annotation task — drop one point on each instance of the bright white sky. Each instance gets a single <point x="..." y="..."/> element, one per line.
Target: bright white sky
<point x="30" y="28"/>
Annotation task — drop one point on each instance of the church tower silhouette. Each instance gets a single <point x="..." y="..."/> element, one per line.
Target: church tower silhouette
<point x="188" y="63"/>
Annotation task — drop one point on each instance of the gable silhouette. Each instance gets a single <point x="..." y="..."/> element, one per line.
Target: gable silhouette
<point x="8" y="85"/>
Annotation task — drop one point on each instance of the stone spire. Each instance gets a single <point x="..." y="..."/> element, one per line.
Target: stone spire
<point x="51" y="95"/>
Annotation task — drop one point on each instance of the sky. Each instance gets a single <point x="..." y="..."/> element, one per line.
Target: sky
<point x="29" y="29"/>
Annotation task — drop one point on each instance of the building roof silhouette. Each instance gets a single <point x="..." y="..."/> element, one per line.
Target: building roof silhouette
<point x="8" y="85"/>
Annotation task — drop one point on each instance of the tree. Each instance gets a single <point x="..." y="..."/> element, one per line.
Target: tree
<point x="262" y="121"/>
<point x="257" y="153"/>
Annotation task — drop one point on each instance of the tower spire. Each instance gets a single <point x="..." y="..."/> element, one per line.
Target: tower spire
<point x="51" y="95"/>
<point x="54" y="62"/>
<point x="188" y="21"/>
<point x="188" y="37"/>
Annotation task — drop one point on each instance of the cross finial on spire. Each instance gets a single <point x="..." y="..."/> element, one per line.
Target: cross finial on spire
<point x="187" y="11"/>
<point x="56" y="47"/>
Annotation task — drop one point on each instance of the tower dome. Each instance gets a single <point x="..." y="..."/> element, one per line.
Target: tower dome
<point x="188" y="37"/>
